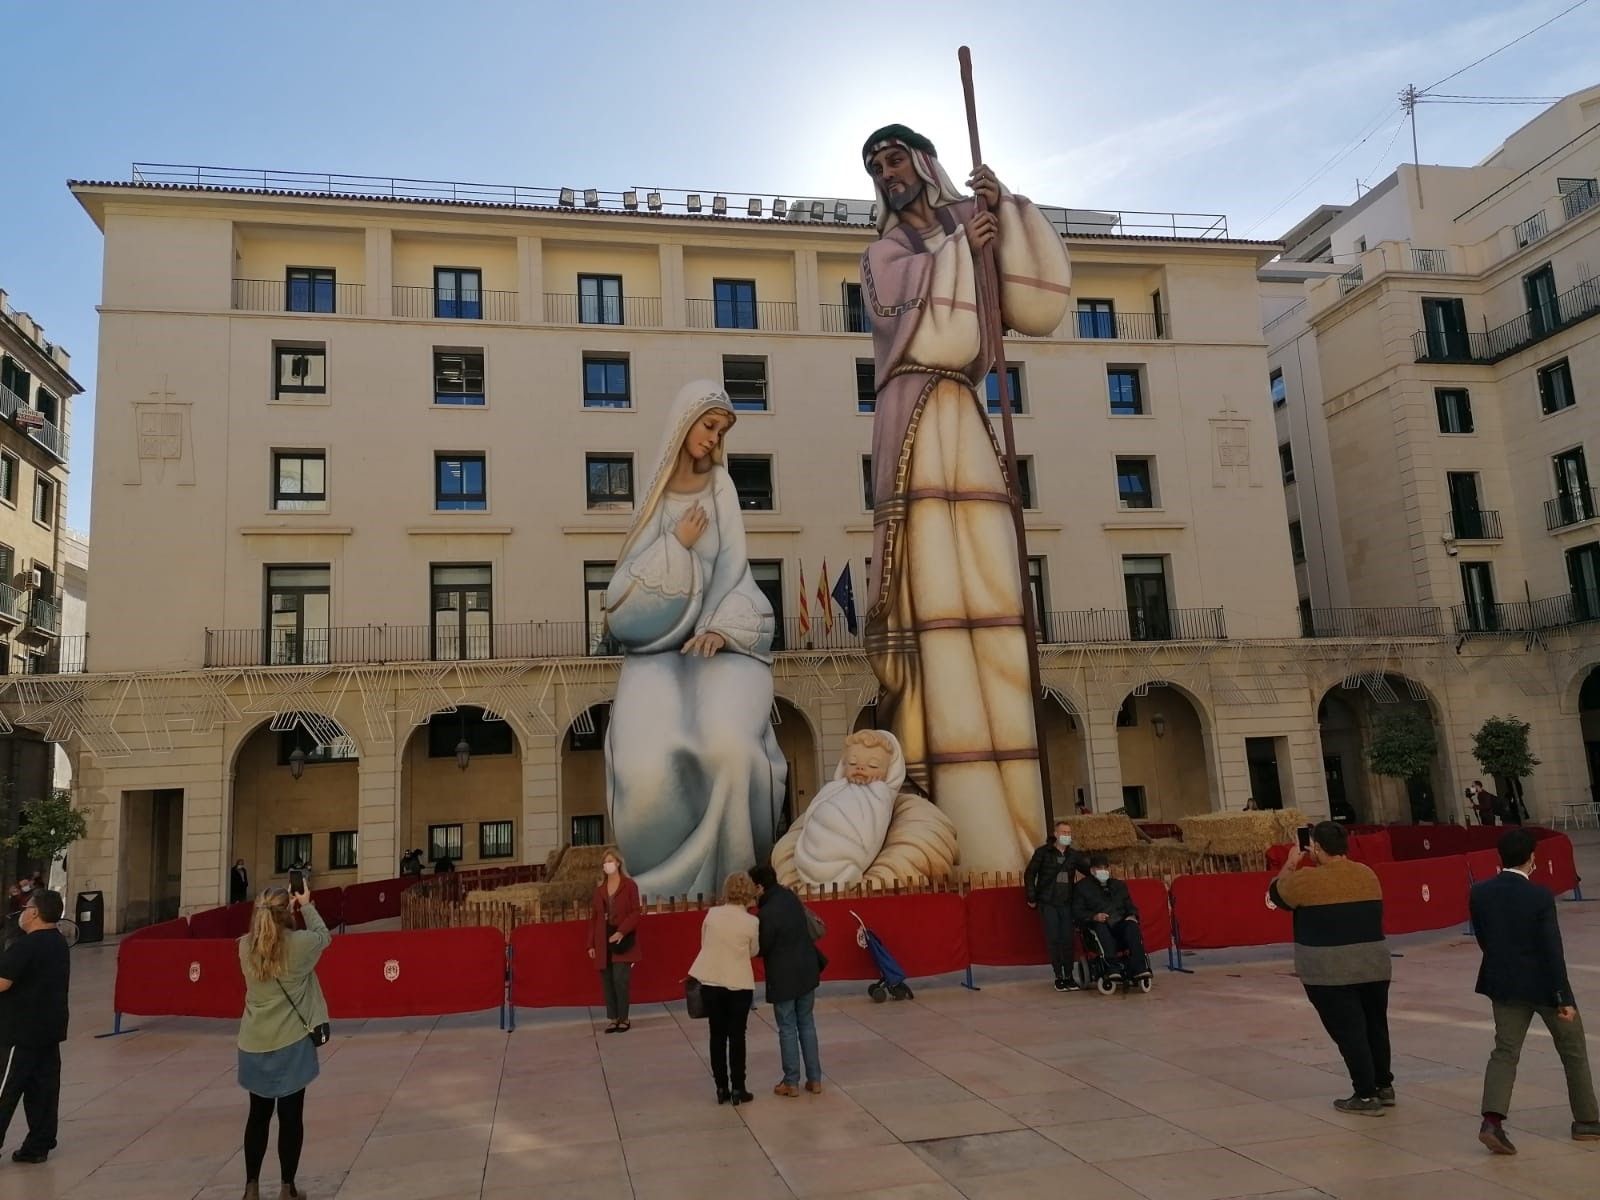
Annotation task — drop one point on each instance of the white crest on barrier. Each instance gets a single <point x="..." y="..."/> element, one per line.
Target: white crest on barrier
<point x="1426" y="844"/>
<point x="1426" y="895"/>
<point x="194" y="972"/>
<point x="391" y="970"/>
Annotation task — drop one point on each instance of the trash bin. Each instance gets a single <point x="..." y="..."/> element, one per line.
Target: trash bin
<point x="90" y="914"/>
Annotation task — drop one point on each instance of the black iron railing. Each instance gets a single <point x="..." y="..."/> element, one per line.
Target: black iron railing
<point x="454" y="305"/>
<point x="44" y="614"/>
<point x="12" y="607"/>
<point x="845" y="318"/>
<point x="1580" y="200"/>
<point x="1433" y="262"/>
<point x="399" y="643"/>
<point x="1531" y="230"/>
<point x="1569" y="508"/>
<point x="1527" y="616"/>
<point x="276" y="295"/>
<point x="776" y="315"/>
<point x="564" y="308"/>
<point x="1124" y="326"/>
<point x="1392" y="621"/>
<point x="1460" y="346"/>
<point x="64" y="656"/>
<point x="1134" y="625"/>
<point x="1476" y="525"/>
<point x="33" y="422"/>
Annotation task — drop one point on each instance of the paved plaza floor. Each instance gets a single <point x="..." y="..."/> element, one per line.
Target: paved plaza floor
<point x="1218" y="1084"/>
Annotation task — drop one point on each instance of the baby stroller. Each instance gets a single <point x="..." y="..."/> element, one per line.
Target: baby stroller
<point x="1108" y="973"/>
<point x="891" y="984"/>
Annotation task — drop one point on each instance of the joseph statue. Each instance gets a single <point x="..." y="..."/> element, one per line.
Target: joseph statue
<point x="944" y="628"/>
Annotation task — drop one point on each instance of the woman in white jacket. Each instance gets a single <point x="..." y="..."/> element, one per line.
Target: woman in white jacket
<point x="729" y="939"/>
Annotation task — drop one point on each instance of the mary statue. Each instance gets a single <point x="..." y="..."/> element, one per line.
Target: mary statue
<point x="693" y="770"/>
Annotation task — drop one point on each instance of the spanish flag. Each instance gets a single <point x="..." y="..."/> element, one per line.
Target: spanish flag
<point x="825" y="599"/>
<point x="805" y="607"/>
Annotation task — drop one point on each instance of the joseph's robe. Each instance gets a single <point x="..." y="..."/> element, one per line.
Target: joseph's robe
<point x="944" y="629"/>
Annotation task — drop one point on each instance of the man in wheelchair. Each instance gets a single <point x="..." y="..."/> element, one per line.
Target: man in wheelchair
<point x="1104" y="910"/>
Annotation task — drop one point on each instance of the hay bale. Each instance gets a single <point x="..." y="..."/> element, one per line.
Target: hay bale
<point x="1234" y="833"/>
<point x="1102" y="831"/>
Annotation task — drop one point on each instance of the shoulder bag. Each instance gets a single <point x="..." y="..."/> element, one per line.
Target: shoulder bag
<point x="694" y="998"/>
<point x="317" y="1035"/>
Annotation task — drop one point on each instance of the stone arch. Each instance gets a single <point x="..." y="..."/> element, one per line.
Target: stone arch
<point x="1345" y="719"/>
<point x="445" y="808"/>
<point x="582" y="768"/>
<point x="1585" y="692"/>
<point x="1064" y="733"/>
<point x="802" y="750"/>
<point x="1165" y="745"/>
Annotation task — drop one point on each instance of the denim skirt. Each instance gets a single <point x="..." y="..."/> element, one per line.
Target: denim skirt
<point x="282" y="1072"/>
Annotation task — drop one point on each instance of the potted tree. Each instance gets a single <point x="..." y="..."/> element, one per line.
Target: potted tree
<point x="47" y="826"/>
<point x="1403" y="747"/>
<point x="1501" y="748"/>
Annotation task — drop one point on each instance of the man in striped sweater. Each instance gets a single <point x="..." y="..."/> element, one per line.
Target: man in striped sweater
<point x="1343" y="960"/>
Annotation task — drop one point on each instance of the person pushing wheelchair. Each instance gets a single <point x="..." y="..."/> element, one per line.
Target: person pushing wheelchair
<point x="1104" y="909"/>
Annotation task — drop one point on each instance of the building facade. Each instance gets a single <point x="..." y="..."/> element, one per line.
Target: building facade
<point x="1434" y="359"/>
<point x="389" y="447"/>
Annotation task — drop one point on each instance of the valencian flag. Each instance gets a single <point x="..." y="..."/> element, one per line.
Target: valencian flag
<point x="824" y="602"/>
<point x="805" y="605"/>
<point x="844" y="596"/>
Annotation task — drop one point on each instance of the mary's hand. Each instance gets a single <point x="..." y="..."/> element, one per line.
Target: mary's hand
<point x="705" y="645"/>
<point x="690" y="526"/>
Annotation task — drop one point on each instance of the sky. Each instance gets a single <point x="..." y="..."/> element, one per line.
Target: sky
<point x="1227" y="106"/>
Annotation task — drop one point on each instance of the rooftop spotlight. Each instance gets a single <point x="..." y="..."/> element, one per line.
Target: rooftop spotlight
<point x="719" y="205"/>
<point x="654" y="201"/>
<point x="693" y="201"/>
<point x="779" y="207"/>
<point x="630" y="200"/>
<point x="754" y="208"/>
<point x="567" y="198"/>
<point x="841" y="212"/>
<point x="816" y="210"/>
<point x="591" y="198"/>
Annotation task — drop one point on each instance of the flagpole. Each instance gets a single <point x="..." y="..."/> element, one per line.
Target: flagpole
<point x="989" y="315"/>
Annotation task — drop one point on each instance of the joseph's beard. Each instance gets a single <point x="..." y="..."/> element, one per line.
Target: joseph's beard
<point x="900" y="201"/>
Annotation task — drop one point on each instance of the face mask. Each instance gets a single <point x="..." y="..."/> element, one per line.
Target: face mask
<point x="610" y="868"/>
<point x="1064" y="839"/>
<point x="1102" y="876"/>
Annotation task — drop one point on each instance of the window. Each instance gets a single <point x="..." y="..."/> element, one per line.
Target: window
<point x="1444" y="323"/>
<point x="14" y="379"/>
<point x="768" y="576"/>
<point x="589" y="831"/>
<point x="752" y="479"/>
<point x="458" y="293"/>
<point x="867" y="500"/>
<point x="735" y="302"/>
<point x="1466" y="510"/>
<point x="467" y="724"/>
<point x="1135" y="483"/>
<point x="1583" y="572"/>
<point x="596" y="579"/>
<point x="495" y="839"/>
<point x="301" y="371"/>
<point x="1097" y="319"/>
<point x="608" y="482"/>
<point x="1040" y="597"/>
<point x="1280" y="392"/>
<point x="991" y="389"/>
<point x="1297" y="542"/>
<point x="1555" y="387"/>
<point x="298" y="606"/>
<point x="459" y="483"/>
<point x="342" y="850"/>
<point x="299" y="480"/>
<point x="309" y="290"/>
<point x="1574" y="498"/>
<point x="1361" y="245"/>
<point x="600" y="299"/>
<point x="1544" y="311"/>
<point x="605" y="382"/>
<point x="47" y="406"/>
<point x="1455" y="409"/>
<point x="290" y="850"/>
<point x="1126" y="394"/>
<point x="745" y="381"/>
<point x="855" y="311"/>
<point x="866" y="386"/>
<point x="9" y="468"/>
<point x="458" y="377"/>
<point x="1286" y="461"/>
<point x="44" y="500"/>
<point x="340" y="749"/>
<point x="1133" y="801"/>
<point x="1477" y="584"/>
<point x="1144" y="582"/>
<point x="1025" y="480"/>
<point x="444" y="841"/>
<point x="462" y="601"/>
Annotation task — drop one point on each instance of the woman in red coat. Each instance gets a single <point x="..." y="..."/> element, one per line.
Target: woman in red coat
<point x="613" y="942"/>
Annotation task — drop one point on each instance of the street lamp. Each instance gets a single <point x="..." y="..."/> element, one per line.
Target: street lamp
<point x="1159" y="724"/>
<point x="297" y="762"/>
<point x="463" y="749"/>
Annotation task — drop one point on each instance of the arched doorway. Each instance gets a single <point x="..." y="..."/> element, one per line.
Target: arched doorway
<point x="1062" y="733"/>
<point x="798" y="743"/>
<point x="461" y="790"/>
<point x="584" y="820"/>
<point x="1165" y="755"/>
<point x="1346" y="719"/>
<point x="1589" y="722"/>
<point x="296" y="799"/>
<point x="28" y="772"/>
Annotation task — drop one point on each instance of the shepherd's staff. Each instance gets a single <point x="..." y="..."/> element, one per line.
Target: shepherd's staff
<point x="994" y="331"/>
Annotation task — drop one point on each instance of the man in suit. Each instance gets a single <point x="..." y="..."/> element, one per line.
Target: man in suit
<point x="1524" y="972"/>
<point x="238" y="883"/>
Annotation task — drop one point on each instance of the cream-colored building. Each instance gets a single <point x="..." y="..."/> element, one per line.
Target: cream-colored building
<point x="1434" y="363"/>
<point x="364" y="459"/>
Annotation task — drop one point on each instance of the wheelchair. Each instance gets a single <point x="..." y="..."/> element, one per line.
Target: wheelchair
<point x="1107" y="972"/>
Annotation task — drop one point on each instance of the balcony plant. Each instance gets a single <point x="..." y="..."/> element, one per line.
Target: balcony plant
<point x="1403" y="746"/>
<point x="1501" y="748"/>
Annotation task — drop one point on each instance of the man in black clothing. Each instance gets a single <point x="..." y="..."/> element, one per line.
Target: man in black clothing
<point x="1047" y="884"/>
<point x="1105" y="909"/>
<point x="34" y="974"/>
<point x="238" y="883"/>
<point x="1524" y="973"/>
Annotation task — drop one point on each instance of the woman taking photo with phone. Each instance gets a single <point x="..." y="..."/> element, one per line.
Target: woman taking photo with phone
<point x="285" y="1020"/>
<point x="613" y="940"/>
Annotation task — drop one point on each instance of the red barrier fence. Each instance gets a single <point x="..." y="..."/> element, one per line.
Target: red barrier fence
<point x="1214" y="912"/>
<point x="1428" y="841"/>
<point x="178" y="927"/>
<point x="927" y="934"/>
<point x="376" y="900"/>
<point x="1553" y="865"/>
<point x="1483" y="864"/>
<point x="550" y="966"/>
<point x="1372" y="848"/>
<point x="423" y="972"/>
<point x="1002" y="931"/>
<point x="1426" y="893"/>
<point x="169" y="977"/>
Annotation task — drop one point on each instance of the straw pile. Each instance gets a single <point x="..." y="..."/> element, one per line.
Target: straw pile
<point x="1234" y="833"/>
<point x="1103" y="831"/>
<point x="573" y="872"/>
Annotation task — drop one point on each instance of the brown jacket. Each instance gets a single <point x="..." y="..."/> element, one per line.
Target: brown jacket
<point x="625" y="914"/>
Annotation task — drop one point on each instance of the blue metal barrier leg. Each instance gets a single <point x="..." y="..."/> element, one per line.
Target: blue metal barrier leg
<point x="967" y="983"/>
<point x="116" y="1028"/>
<point x="1175" y="951"/>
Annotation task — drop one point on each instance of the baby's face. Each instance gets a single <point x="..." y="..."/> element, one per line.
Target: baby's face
<point x="865" y="764"/>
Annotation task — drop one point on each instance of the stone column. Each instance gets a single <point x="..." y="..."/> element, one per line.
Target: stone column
<point x="542" y="830"/>
<point x="805" y="291"/>
<point x="530" y="280"/>
<point x="674" y="310"/>
<point x="378" y="811"/>
<point x="380" y="273"/>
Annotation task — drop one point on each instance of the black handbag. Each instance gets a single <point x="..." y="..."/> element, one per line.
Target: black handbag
<point x="694" y="998"/>
<point x="317" y="1035"/>
<point x="619" y="947"/>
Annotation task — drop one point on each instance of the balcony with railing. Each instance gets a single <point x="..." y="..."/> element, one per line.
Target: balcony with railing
<point x="44" y="615"/>
<point x="1134" y="625"/>
<point x="12" y="607"/>
<point x="280" y="296"/>
<point x="1393" y="621"/>
<point x="1476" y="525"/>
<point x="1579" y="200"/>
<point x="775" y="316"/>
<point x="1527" y="616"/>
<point x="845" y="318"/>
<point x="1351" y="280"/>
<point x="33" y="422"/>
<point x="565" y="308"/>
<point x="64" y="656"/>
<point x="1571" y="508"/>
<point x="1460" y="346"/>
<point x="1430" y="262"/>
<point x="1119" y="326"/>
<point x="454" y="305"/>
<point x="1531" y="230"/>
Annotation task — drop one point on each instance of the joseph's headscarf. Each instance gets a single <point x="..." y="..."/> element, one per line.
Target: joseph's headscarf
<point x="925" y="160"/>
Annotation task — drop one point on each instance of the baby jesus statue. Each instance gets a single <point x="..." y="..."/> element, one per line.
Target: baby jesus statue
<point x="862" y="828"/>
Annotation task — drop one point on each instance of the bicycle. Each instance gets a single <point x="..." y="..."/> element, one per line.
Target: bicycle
<point x="66" y="926"/>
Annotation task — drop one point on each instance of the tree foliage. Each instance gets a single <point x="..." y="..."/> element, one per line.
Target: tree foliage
<point x="48" y="826"/>
<point x="1501" y="748"/>
<point x="1403" y="743"/>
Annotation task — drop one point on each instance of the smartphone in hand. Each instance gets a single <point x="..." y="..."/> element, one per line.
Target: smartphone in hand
<point x="297" y="883"/>
<point x="1303" y="837"/>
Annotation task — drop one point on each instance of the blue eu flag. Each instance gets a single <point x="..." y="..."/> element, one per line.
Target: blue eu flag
<point x="844" y="595"/>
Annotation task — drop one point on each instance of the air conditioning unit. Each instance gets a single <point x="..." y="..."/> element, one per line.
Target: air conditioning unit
<point x="35" y="579"/>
